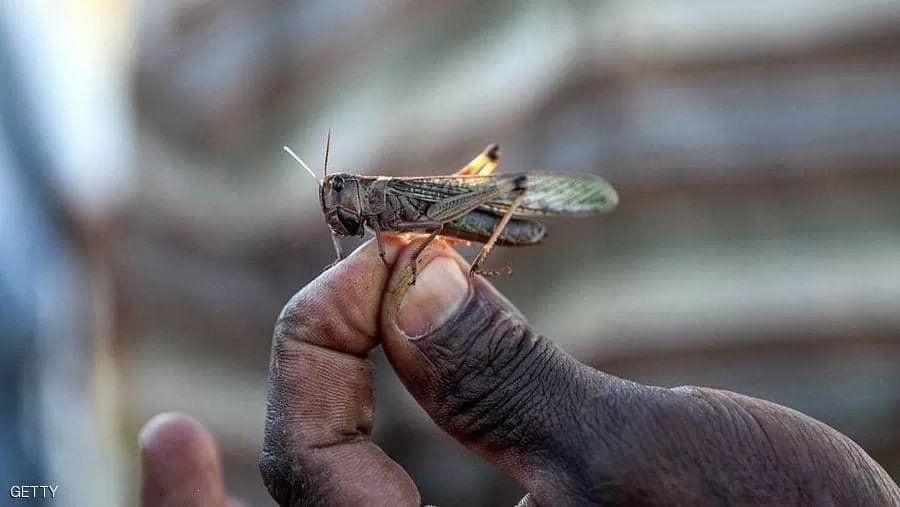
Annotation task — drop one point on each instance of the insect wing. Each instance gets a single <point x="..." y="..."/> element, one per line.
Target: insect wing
<point x="555" y="194"/>
<point x="546" y="194"/>
<point x="439" y="188"/>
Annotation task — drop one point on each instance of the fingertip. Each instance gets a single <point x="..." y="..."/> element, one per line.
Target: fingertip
<point x="175" y="435"/>
<point x="339" y="309"/>
<point x="320" y="392"/>
<point x="440" y="290"/>
<point x="413" y="307"/>
<point x="180" y="463"/>
<point x="477" y="355"/>
<point x="411" y="313"/>
<point x="416" y="304"/>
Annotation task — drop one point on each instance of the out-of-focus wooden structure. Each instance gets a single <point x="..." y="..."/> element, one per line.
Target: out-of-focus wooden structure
<point x="754" y="148"/>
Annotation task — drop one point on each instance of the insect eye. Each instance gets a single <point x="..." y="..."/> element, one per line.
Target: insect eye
<point x="337" y="183"/>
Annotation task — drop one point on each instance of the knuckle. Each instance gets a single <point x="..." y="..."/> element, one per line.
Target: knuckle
<point x="293" y="316"/>
<point x="304" y="318"/>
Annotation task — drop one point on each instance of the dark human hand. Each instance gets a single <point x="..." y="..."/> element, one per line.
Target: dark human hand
<point x="571" y="435"/>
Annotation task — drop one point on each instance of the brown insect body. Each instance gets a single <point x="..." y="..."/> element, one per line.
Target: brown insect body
<point x="478" y="225"/>
<point x="471" y="205"/>
<point x="351" y="202"/>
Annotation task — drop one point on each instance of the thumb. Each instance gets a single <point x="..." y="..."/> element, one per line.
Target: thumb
<point x="484" y="376"/>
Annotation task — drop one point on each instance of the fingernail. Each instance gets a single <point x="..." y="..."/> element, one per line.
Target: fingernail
<point x="440" y="289"/>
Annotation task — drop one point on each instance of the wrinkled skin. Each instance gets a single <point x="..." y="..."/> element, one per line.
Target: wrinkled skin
<point x="571" y="435"/>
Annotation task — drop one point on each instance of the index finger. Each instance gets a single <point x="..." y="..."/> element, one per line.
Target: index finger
<point x="317" y="446"/>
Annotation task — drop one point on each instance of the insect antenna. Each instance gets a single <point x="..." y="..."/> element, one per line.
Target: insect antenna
<point x="310" y="171"/>
<point x="327" y="150"/>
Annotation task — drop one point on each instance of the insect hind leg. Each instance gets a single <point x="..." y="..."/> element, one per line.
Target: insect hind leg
<point x="521" y="185"/>
<point x="484" y="164"/>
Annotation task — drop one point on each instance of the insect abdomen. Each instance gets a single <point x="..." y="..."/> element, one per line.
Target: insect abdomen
<point x="478" y="226"/>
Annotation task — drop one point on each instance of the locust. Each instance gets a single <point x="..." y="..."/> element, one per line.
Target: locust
<point x="472" y="205"/>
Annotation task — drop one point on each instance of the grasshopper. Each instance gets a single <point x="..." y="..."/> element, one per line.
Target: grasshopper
<point x="473" y="204"/>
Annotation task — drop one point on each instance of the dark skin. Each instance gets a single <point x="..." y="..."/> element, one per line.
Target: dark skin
<point x="571" y="435"/>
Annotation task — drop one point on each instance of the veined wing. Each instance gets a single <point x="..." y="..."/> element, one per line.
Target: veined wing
<point x="546" y="194"/>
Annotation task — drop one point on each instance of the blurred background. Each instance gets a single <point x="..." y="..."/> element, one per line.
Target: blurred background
<point x="151" y="228"/>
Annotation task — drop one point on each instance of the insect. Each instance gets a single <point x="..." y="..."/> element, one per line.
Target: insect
<point x="473" y="204"/>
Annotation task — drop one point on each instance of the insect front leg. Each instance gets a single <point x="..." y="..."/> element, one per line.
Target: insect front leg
<point x="338" y="249"/>
<point x="379" y="241"/>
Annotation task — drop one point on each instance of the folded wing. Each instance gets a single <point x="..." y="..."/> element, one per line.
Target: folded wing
<point x="546" y="194"/>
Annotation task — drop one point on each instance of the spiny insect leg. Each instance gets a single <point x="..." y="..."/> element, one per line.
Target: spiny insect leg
<point x="482" y="165"/>
<point x="430" y="226"/>
<point x="486" y="249"/>
<point x="379" y="241"/>
<point x="414" y="261"/>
